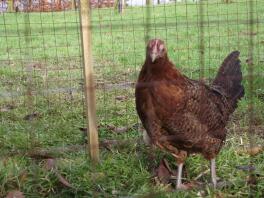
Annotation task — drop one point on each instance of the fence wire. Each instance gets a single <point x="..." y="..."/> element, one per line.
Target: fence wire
<point x="41" y="86"/>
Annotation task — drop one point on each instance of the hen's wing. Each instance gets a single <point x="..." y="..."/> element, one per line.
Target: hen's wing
<point x="146" y="111"/>
<point x="194" y="116"/>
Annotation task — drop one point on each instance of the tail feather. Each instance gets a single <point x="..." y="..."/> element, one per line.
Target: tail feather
<point x="229" y="78"/>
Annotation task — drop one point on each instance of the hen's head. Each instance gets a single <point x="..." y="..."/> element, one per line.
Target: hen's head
<point x="156" y="49"/>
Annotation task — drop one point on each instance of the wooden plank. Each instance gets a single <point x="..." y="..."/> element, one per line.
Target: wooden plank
<point x="89" y="88"/>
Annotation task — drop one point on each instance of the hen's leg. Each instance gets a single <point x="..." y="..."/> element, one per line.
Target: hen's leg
<point x="179" y="176"/>
<point x="213" y="172"/>
<point x="180" y="158"/>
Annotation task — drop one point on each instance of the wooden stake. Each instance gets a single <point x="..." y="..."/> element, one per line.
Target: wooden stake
<point x="10" y="6"/>
<point x="89" y="88"/>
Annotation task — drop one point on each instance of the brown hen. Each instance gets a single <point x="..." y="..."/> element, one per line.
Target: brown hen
<point x="186" y="116"/>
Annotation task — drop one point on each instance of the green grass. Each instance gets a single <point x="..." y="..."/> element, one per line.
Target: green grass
<point x="47" y="62"/>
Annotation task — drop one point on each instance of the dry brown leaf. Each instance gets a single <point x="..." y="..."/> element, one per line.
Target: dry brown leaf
<point x="192" y="184"/>
<point x="120" y="113"/>
<point x="163" y="175"/>
<point x="117" y="129"/>
<point x="251" y="180"/>
<point x="121" y="129"/>
<point x="50" y="164"/>
<point x="63" y="180"/>
<point x="39" y="154"/>
<point x="15" y="194"/>
<point x="254" y="150"/>
<point x="121" y="98"/>
<point x="7" y="108"/>
<point x="108" y="144"/>
<point x="32" y="66"/>
<point x="249" y="33"/>
<point x="163" y="172"/>
<point x="251" y="151"/>
<point x="32" y="116"/>
<point x="119" y="144"/>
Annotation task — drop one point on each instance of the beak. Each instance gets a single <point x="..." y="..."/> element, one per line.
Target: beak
<point x="153" y="57"/>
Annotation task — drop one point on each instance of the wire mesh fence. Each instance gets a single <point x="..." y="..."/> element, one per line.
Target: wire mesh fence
<point x="42" y="100"/>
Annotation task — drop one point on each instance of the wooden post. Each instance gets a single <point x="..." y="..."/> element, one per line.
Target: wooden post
<point x="89" y="88"/>
<point x="121" y="6"/>
<point x="73" y="6"/>
<point x="10" y="6"/>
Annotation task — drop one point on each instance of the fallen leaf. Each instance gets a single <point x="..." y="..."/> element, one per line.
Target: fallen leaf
<point x="7" y="108"/>
<point x="254" y="150"/>
<point x="50" y="164"/>
<point x="251" y="179"/>
<point x="110" y="127"/>
<point x="120" y="129"/>
<point x="119" y="144"/>
<point x="108" y="144"/>
<point x="192" y="184"/>
<point x="120" y="113"/>
<point x="39" y="154"/>
<point x="121" y="98"/>
<point x="33" y="66"/>
<point x="167" y="187"/>
<point x="63" y="180"/>
<point x="249" y="33"/>
<point x="164" y="172"/>
<point x="15" y="194"/>
<point x="251" y="151"/>
<point x="32" y="116"/>
<point x="246" y="167"/>
<point x="117" y="129"/>
<point x="223" y="184"/>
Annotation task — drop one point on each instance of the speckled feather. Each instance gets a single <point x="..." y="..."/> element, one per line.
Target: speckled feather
<point x="186" y="116"/>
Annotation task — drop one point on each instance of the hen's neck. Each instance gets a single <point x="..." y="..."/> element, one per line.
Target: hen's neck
<point x="162" y="69"/>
